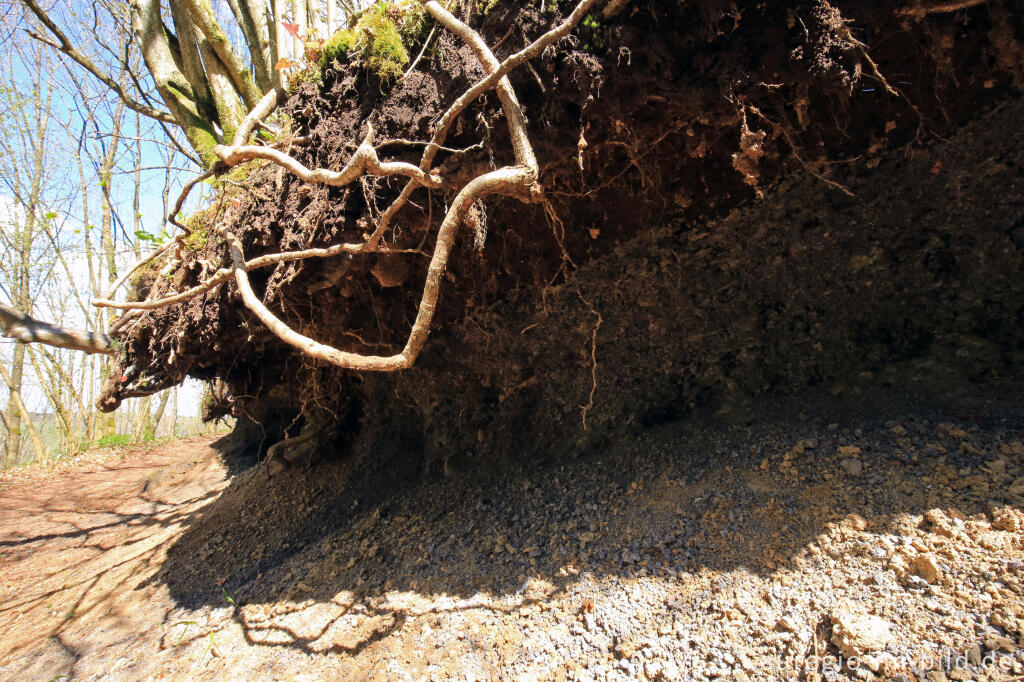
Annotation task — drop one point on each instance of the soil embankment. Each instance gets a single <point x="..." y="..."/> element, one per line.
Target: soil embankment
<point x="887" y="525"/>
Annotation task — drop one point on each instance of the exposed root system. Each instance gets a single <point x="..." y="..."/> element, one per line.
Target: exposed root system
<point x="526" y="223"/>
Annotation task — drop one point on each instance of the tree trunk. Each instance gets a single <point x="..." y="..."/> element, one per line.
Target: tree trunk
<point x="174" y="88"/>
<point x="191" y="60"/>
<point x="51" y="386"/>
<point x="107" y="425"/>
<point x="154" y="423"/>
<point x="25" y="417"/>
<point x="13" y="402"/>
<point x="232" y="65"/>
<point x="253" y="20"/>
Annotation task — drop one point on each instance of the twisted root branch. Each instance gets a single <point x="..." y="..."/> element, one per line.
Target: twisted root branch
<point x="519" y="180"/>
<point x="920" y="9"/>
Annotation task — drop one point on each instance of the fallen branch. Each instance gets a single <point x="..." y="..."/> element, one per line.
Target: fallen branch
<point x="26" y="329"/>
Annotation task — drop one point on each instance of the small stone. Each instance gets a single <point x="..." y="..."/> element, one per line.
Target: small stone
<point x="938" y="607"/>
<point x="927" y="568"/>
<point x="974" y="655"/>
<point x="856" y="521"/>
<point x="970" y="449"/>
<point x="900" y="564"/>
<point x="873" y="663"/>
<point x="1014" y="448"/>
<point x="670" y="672"/>
<point x="852" y="467"/>
<point x="997" y="467"/>
<point x="787" y="624"/>
<point x="856" y="634"/>
<point x="939" y="523"/>
<point x="951" y="433"/>
<point x="626" y="649"/>
<point x="914" y="583"/>
<point x="997" y="642"/>
<point x="1011" y="520"/>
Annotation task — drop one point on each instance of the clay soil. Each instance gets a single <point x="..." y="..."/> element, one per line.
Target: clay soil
<point x="884" y="524"/>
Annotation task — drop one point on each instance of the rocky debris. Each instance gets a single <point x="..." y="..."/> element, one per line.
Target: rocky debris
<point x="926" y="567"/>
<point x="694" y="555"/>
<point x="691" y="554"/>
<point x="1011" y="520"/>
<point x="858" y="634"/>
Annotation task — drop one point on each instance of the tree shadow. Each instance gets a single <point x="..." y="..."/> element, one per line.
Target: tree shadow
<point x="337" y="557"/>
<point x="70" y="552"/>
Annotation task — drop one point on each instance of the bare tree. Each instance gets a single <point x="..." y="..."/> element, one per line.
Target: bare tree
<point x="25" y="172"/>
<point x="46" y="268"/>
<point x="205" y="83"/>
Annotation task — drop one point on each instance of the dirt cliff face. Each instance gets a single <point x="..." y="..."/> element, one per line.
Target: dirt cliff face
<point x="739" y="200"/>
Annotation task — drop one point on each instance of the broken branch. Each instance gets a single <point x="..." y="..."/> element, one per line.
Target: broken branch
<point x="26" y="329"/>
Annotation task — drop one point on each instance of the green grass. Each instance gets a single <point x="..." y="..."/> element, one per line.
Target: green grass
<point x="115" y="440"/>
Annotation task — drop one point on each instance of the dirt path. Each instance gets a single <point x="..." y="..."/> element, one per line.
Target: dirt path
<point x="74" y="549"/>
<point x="766" y="546"/>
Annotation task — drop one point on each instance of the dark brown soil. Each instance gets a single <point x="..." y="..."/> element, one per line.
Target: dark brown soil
<point x="654" y="281"/>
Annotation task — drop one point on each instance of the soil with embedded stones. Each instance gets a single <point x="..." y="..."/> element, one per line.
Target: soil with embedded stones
<point x="874" y="536"/>
<point x="654" y="280"/>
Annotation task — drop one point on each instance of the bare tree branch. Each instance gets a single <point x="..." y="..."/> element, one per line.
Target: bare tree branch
<point x="64" y="46"/>
<point x="26" y="329"/>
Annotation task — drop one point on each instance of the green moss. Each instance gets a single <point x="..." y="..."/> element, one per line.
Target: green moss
<point x="235" y="175"/>
<point x="386" y="55"/>
<point x="203" y="140"/>
<point x="312" y="73"/>
<point x="379" y="38"/>
<point x="142" y="279"/>
<point x="199" y="235"/>
<point x="338" y="45"/>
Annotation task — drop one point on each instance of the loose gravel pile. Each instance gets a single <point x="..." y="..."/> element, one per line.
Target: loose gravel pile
<point x="822" y="540"/>
<point x="878" y="535"/>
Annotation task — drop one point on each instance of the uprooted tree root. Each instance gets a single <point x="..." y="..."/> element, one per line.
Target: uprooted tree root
<point x="620" y="121"/>
<point x="518" y="180"/>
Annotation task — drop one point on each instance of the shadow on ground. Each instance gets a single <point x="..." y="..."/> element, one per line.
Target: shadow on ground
<point x="303" y="556"/>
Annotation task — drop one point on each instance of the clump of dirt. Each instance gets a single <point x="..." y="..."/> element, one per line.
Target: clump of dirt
<point x="916" y="279"/>
<point x="632" y="294"/>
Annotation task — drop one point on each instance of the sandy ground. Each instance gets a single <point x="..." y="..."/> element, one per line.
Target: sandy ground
<point x="880" y="536"/>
